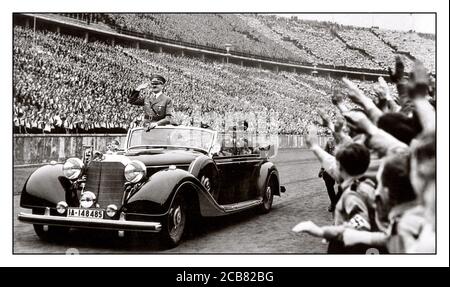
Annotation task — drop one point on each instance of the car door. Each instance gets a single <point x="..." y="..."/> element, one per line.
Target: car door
<point x="238" y="169"/>
<point x="238" y="176"/>
<point x="228" y="181"/>
<point x="246" y="170"/>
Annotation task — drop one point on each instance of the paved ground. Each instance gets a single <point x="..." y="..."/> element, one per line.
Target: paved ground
<point x="305" y="199"/>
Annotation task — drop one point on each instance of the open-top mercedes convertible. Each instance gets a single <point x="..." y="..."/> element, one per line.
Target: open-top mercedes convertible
<point x="161" y="180"/>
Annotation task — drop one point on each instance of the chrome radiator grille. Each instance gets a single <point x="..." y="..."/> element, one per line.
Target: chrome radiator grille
<point x="106" y="180"/>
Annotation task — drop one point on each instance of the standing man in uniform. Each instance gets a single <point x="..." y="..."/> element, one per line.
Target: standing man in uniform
<point x="328" y="179"/>
<point x="158" y="107"/>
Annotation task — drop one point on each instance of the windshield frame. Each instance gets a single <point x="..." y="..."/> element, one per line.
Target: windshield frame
<point x="206" y="151"/>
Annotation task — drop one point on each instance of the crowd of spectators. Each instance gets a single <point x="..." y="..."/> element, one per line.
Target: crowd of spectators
<point x="419" y="46"/>
<point x="291" y="39"/>
<point x="64" y="85"/>
<point x="371" y="44"/>
<point x="213" y="30"/>
<point x="289" y="49"/>
<point x="385" y="164"/>
<point x="319" y="41"/>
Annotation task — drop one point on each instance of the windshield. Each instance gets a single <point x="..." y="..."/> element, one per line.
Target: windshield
<point x="174" y="136"/>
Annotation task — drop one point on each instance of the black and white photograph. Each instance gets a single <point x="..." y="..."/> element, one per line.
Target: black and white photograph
<point x="226" y="133"/>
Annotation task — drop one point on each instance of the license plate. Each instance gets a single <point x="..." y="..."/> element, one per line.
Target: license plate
<point x="87" y="213"/>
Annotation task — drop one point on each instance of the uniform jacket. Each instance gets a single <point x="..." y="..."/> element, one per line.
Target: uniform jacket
<point x="158" y="110"/>
<point x="354" y="206"/>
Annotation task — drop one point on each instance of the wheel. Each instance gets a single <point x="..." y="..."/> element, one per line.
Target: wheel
<point x="51" y="233"/>
<point x="268" y="196"/>
<point x="175" y="223"/>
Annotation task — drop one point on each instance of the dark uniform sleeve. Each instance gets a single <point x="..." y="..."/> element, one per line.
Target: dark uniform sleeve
<point x="135" y="99"/>
<point x="169" y="108"/>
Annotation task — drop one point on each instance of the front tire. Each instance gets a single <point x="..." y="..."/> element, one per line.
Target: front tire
<point x="175" y="222"/>
<point x="269" y="189"/>
<point x="51" y="233"/>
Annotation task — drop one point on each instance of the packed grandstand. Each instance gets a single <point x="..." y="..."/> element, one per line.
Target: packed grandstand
<point x="64" y="84"/>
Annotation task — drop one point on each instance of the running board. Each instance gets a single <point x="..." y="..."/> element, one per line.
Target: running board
<point x="241" y="205"/>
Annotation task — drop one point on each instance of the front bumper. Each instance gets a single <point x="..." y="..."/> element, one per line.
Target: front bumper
<point x="78" y="222"/>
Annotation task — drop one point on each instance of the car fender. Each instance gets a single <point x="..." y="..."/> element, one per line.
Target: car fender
<point x="267" y="170"/>
<point x="155" y="195"/>
<point x="199" y="163"/>
<point x="44" y="187"/>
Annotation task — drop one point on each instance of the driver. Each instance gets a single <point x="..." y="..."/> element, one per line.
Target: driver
<point x="113" y="147"/>
<point x="158" y="108"/>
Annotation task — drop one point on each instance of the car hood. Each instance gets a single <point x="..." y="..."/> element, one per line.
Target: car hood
<point x="163" y="157"/>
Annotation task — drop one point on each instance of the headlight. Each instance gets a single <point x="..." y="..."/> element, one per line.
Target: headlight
<point x="135" y="171"/>
<point x="111" y="210"/>
<point x="61" y="207"/>
<point x="72" y="168"/>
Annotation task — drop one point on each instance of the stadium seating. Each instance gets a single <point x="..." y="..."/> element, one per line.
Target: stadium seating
<point x="290" y="39"/>
<point x="62" y="84"/>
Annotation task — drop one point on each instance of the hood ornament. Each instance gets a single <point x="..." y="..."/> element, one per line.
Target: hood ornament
<point x="98" y="156"/>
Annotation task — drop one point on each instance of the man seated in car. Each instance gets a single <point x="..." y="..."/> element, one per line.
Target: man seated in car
<point x="227" y="146"/>
<point x="245" y="149"/>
